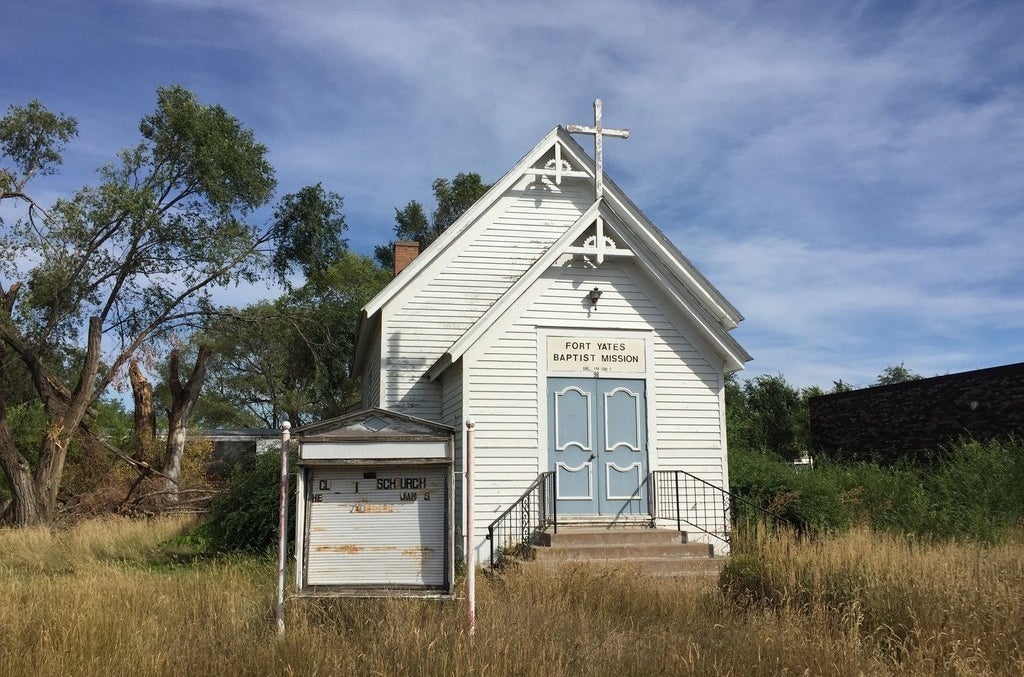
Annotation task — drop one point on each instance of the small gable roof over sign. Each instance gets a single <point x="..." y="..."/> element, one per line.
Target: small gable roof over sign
<point x="374" y="435"/>
<point x="373" y="424"/>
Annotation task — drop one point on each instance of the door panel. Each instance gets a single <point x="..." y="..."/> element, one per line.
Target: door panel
<point x="573" y="424"/>
<point x="598" y="445"/>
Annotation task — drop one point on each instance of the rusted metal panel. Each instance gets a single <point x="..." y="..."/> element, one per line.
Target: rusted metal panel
<point x="377" y="526"/>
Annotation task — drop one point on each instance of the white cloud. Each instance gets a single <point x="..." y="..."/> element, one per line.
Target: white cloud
<point x="849" y="176"/>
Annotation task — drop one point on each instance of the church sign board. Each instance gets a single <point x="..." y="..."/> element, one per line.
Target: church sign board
<point x="589" y="353"/>
<point x="375" y="506"/>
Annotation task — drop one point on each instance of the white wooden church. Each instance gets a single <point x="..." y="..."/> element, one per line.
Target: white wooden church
<point x="576" y="336"/>
<point x="586" y="348"/>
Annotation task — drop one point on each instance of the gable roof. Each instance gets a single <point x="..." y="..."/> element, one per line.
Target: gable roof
<point x="372" y="423"/>
<point x="684" y="283"/>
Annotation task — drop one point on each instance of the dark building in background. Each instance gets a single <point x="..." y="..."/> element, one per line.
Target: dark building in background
<point x="915" y="419"/>
<point x="231" y="446"/>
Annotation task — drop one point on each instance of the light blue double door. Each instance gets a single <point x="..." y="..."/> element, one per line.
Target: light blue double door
<point x="597" y="442"/>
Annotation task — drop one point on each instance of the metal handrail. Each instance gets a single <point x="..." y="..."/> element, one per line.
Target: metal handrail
<point x="517" y="527"/>
<point x="712" y="506"/>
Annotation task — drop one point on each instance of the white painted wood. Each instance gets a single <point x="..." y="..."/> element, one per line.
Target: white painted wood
<point x="462" y="329"/>
<point x="453" y="414"/>
<point x="497" y="317"/>
<point x="599" y="132"/>
<point x="419" y="327"/>
<point x="371" y="381"/>
<point x="685" y="409"/>
<point x="433" y="449"/>
<point x="450" y="245"/>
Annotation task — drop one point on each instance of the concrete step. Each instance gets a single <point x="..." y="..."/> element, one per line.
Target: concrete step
<point x="644" y="551"/>
<point x="649" y="551"/>
<point x="623" y="551"/>
<point x="685" y="567"/>
<point x="583" y="523"/>
<point x="578" y="537"/>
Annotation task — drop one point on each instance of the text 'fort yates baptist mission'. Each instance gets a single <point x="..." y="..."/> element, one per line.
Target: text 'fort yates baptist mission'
<point x="584" y="353"/>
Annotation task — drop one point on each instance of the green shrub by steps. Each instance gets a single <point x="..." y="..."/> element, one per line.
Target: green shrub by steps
<point x="805" y="499"/>
<point x="975" y="492"/>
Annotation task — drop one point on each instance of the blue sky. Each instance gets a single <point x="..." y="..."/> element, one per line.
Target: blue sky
<point x="850" y="175"/>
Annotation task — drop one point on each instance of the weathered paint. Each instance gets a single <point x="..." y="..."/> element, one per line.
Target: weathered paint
<point x="371" y="526"/>
<point x="599" y="132"/>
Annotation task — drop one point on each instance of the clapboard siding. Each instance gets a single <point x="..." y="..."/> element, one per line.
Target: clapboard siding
<point x="463" y="283"/>
<point x="504" y="382"/>
<point x="452" y="415"/>
<point x="371" y="381"/>
<point x="504" y="389"/>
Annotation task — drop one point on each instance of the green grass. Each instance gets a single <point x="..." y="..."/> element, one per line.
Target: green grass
<point x="972" y="491"/>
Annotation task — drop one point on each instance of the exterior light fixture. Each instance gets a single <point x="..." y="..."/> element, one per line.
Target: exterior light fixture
<point x="594" y="296"/>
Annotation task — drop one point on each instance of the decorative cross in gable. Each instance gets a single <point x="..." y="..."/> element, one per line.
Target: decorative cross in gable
<point x="599" y="132"/>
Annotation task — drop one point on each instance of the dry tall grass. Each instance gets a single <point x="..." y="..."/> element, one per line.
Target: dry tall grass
<point x="923" y="608"/>
<point x="97" y="600"/>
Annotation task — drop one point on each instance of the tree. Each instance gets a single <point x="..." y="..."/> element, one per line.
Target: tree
<point x="183" y="398"/>
<point x="309" y="226"/>
<point x="33" y="138"/>
<point x="452" y="199"/>
<point x="290" y="357"/>
<point x="737" y="414"/>
<point x="144" y="415"/>
<point x="766" y="413"/>
<point x="896" y="374"/>
<point x="131" y="260"/>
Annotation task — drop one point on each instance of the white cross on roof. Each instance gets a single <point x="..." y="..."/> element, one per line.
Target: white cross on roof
<point x="598" y="131"/>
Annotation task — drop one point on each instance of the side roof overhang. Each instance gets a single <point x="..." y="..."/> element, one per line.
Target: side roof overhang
<point x="369" y="319"/>
<point x="687" y="286"/>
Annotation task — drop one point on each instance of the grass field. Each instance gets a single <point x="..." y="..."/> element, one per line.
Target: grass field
<point x="106" y="598"/>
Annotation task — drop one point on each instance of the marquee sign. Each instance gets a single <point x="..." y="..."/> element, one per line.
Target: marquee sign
<point x="588" y="353"/>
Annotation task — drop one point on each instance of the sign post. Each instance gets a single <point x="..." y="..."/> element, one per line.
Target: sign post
<point x="282" y="543"/>
<point x="470" y="546"/>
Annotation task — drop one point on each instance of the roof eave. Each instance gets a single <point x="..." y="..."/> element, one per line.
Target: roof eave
<point x="449" y="236"/>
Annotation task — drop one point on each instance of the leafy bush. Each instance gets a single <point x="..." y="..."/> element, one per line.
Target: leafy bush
<point x="978" y="489"/>
<point x="890" y="498"/>
<point x="805" y="499"/>
<point x="244" y="515"/>
<point x="974" y="491"/>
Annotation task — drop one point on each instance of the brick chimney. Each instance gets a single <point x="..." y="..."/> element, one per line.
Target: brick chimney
<point x="405" y="251"/>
